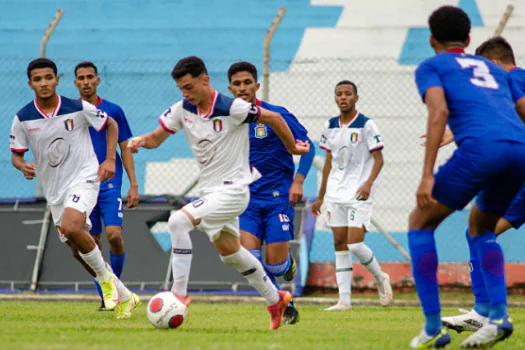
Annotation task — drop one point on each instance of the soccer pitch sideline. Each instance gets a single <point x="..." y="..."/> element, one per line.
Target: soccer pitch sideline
<point x="76" y="325"/>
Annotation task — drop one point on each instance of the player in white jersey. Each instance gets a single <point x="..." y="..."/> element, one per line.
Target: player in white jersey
<point x="353" y="161"/>
<point x="56" y="130"/>
<point x="216" y="128"/>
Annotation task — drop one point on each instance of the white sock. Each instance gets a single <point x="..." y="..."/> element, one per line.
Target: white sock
<point x="95" y="260"/>
<point x="343" y="275"/>
<point x="123" y="291"/>
<point x="368" y="260"/>
<point x="252" y="269"/>
<point x="180" y="226"/>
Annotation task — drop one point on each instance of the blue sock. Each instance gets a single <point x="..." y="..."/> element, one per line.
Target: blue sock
<point x="117" y="263"/>
<point x="481" y="298"/>
<point x="492" y="264"/>
<point x="279" y="269"/>
<point x="424" y="268"/>
<point x="258" y="254"/>
<point x="99" y="290"/>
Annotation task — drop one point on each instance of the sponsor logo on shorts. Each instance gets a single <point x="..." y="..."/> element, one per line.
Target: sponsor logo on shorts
<point x="286" y="227"/>
<point x="284" y="218"/>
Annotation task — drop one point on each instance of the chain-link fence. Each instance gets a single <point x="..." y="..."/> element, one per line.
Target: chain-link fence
<point x="145" y="89"/>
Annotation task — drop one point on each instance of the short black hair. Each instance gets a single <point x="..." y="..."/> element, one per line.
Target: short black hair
<point x="41" y="63"/>
<point x="497" y="48"/>
<point x="449" y="24"/>
<point x="191" y="65"/>
<point x="242" y="67"/>
<point x="347" y="82"/>
<point x="86" y="64"/>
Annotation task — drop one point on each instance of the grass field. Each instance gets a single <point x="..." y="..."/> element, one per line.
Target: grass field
<point x="75" y="325"/>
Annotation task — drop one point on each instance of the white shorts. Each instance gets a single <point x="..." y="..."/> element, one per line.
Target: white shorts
<point x="82" y="197"/>
<point x="357" y="214"/>
<point x="219" y="211"/>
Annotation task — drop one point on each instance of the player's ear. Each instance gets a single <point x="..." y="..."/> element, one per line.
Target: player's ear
<point x="467" y="42"/>
<point x="205" y="79"/>
<point x="433" y="43"/>
<point x="356" y="98"/>
<point x="257" y="86"/>
<point x="98" y="80"/>
<point x="231" y="90"/>
<point x="58" y="79"/>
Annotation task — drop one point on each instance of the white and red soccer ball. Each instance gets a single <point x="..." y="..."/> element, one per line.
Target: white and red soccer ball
<point x="166" y="310"/>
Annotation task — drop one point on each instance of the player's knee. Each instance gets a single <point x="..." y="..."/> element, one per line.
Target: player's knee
<point x="114" y="236"/>
<point x="415" y="220"/>
<point x="340" y="243"/>
<point x="69" y="230"/>
<point x="178" y="221"/>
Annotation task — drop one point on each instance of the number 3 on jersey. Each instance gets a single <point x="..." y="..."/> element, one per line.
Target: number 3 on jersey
<point x="482" y="76"/>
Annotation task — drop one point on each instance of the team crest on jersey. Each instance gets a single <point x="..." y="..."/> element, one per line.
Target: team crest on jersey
<point x="260" y="131"/>
<point x="69" y="124"/>
<point x="354" y="137"/>
<point x="217" y="125"/>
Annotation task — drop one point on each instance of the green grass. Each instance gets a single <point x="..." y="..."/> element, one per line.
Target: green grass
<point x="75" y="325"/>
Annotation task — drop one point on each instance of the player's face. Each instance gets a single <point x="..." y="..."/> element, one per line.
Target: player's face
<point x="87" y="81"/>
<point x="243" y="85"/>
<point x="345" y="97"/>
<point x="194" y="88"/>
<point x="44" y="82"/>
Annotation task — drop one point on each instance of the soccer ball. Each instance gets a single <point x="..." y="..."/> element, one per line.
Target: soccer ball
<point x="166" y="310"/>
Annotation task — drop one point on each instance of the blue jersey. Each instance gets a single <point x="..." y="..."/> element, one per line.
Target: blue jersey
<point x="517" y="76"/>
<point x="480" y="97"/>
<point x="100" y="141"/>
<point x="270" y="157"/>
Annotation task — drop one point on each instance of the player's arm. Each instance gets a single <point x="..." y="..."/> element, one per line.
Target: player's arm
<point x="315" y="210"/>
<point x="150" y="141"/>
<point x="129" y="165"/>
<point x="437" y="121"/>
<point x="106" y="170"/>
<point x="295" y="194"/>
<point x="276" y="121"/>
<point x="364" y="192"/>
<point x="28" y="169"/>
<point x="448" y="138"/>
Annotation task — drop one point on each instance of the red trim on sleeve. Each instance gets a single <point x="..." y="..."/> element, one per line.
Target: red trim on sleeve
<point x="104" y="125"/>
<point x="325" y="148"/>
<point x="17" y="150"/>
<point x="378" y="148"/>
<point x="166" y="128"/>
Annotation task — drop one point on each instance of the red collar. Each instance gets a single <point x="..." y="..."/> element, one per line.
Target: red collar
<point x="57" y="107"/>
<point x="99" y="101"/>
<point x="456" y="50"/>
<point x="513" y="68"/>
<point x="257" y="102"/>
<point x="212" y="106"/>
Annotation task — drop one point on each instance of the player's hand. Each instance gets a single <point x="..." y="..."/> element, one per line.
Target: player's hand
<point x="364" y="192"/>
<point x="448" y="137"/>
<point x="300" y="147"/>
<point x="424" y="192"/>
<point x="135" y="143"/>
<point x="315" y="209"/>
<point x="296" y="193"/>
<point x="133" y="196"/>
<point x="106" y="170"/>
<point x="29" y="170"/>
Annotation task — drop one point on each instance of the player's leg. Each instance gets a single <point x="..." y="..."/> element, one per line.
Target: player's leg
<point x="278" y="232"/>
<point x="359" y="216"/>
<point x="75" y="215"/>
<point x="110" y="204"/>
<point x="337" y="221"/>
<point x="96" y="233"/>
<point x="491" y="204"/>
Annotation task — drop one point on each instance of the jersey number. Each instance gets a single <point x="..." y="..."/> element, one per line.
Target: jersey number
<point x="481" y="72"/>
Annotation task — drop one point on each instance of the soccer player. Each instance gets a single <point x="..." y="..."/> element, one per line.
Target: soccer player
<point x="56" y="129"/>
<point x="109" y="202"/>
<point x="478" y="101"/>
<point x="270" y="214"/>
<point x="499" y="51"/>
<point x="216" y="128"/>
<point x="353" y="162"/>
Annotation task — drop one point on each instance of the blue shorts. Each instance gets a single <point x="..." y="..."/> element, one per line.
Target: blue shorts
<point x="515" y="214"/>
<point x="108" y="209"/>
<point x="494" y="171"/>
<point x="270" y="220"/>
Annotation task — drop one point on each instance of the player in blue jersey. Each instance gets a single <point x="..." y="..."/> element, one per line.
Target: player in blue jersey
<point x="499" y="51"/>
<point x="270" y="214"/>
<point x="478" y="101"/>
<point x="109" y="204"/>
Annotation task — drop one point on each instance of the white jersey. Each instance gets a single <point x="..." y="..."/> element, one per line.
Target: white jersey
<point x="351" y="147"/>
<point x="60" y="142"/>
<point x="219" y="139"/>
